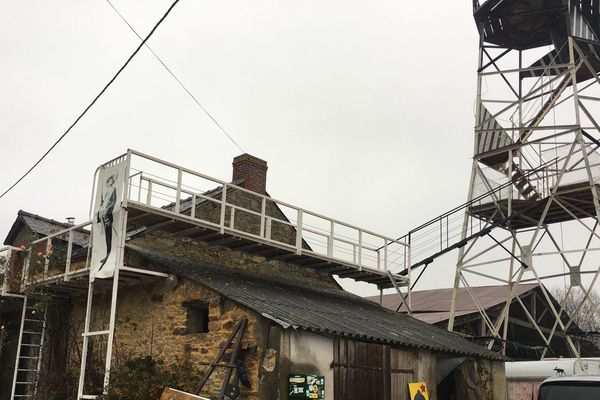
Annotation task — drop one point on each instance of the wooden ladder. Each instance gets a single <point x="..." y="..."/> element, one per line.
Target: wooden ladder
<point x="229" y="388"/>
<point x="229" y="362"/>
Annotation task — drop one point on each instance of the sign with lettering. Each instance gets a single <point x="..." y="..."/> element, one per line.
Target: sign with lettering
<point x="418" y="391"/>
<point x="302" y="386"/>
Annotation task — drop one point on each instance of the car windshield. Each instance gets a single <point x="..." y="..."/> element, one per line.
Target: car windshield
<point x="574" y="390"/>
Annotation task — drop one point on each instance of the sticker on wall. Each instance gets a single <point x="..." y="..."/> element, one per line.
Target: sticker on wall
<point x="106" y="224"/>
<point x="306" y="386"/>
<point x="418" y="391"/>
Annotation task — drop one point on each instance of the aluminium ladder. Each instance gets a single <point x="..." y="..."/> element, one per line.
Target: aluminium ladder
<point x="29" y="349"/>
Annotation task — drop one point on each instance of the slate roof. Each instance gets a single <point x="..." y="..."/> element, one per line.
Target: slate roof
<point x="433" y="306"/>
<point x="327" y="311"/>
<point x="43" y="227"/>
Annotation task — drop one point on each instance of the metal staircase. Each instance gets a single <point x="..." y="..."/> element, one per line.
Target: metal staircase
<point x="29" y="349"/>
<point x="524" y="185"/>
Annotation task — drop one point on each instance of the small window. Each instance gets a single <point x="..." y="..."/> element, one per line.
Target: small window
<point x="197" y="317"/>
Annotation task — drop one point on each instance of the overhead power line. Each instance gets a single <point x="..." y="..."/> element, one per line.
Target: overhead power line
<point x="176" y="79"/>
<point x="93" y="101"/>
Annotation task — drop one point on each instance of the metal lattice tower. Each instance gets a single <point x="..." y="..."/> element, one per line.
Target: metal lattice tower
<point x="532" y="210"/>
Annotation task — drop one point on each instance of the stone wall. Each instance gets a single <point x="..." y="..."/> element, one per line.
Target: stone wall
<point x="475" y="379"/>
<point x="151" y="318"/>
<point x="151" y="321"/>
<point x="231" y="259"/>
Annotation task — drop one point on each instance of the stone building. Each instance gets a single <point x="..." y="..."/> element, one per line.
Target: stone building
<point x="200" y="285"/>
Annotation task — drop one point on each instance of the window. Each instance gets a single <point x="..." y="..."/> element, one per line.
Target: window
<point x="197" y="317"/>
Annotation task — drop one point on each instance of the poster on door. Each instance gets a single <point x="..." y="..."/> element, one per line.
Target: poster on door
<point x="418" y="391"/>
<point x="107" y="231"/>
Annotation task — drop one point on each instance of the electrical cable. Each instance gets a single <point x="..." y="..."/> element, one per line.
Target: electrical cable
<point x="93" y="101"/>
<point x="177" y="79"/>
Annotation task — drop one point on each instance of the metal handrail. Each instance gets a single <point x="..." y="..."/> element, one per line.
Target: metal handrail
<point x="472" y="201"/>
<point x="178" y="187"/>
<point x="66" y="271"/>
<point x="8" y="249"/>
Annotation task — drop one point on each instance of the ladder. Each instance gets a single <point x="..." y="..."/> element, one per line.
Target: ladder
<point x="228" y="361"/>
<point x="29" y="348"/>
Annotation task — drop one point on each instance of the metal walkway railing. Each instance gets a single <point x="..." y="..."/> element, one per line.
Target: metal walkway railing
<point x="51" y="257"/>
<point x="444" y="233"/>
<point x="165" y="188"/>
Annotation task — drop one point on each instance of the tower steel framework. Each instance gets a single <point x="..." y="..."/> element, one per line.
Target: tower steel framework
<point x="533" y="208"/>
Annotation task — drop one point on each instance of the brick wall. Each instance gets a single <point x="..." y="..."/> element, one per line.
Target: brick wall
<point x="253" y="172"/>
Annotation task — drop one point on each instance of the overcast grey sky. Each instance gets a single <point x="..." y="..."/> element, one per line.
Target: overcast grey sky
<point x="363" y="109"/>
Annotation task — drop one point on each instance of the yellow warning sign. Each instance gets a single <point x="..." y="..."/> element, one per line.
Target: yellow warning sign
<point x="418" y="391"/>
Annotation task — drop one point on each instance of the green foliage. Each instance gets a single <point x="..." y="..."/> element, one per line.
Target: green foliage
<point x="144" y="378"/>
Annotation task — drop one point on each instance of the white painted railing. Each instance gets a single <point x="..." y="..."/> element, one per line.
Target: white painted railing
<point x="174" y="190"/>
<point x="47" y="257"/>
<point x="6" y="254"/>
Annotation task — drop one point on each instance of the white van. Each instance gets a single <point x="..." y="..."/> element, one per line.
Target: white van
<point x="523" y="378"/>
<point x="570" y="388"/>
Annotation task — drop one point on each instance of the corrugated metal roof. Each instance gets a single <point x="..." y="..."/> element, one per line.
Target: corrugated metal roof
<point x="331" y="311"/>
<point x="433" y="306"/>
<point x="44" y="227"/>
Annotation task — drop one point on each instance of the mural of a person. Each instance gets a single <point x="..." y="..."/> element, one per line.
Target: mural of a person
<point x="105" y="214"/>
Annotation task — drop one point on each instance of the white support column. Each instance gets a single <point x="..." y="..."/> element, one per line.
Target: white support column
<point x="111" y="328"/>
<point x="299" y="231"/>
<point x="223" y="207"/>
<point x="84" y="347"/>
<point x="69" y="255"/>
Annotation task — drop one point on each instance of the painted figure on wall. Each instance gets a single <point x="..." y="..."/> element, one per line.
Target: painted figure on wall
<point x="105" y="215"/>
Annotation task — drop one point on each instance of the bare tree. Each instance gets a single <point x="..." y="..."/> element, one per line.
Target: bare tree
<point x="587" y="315"/>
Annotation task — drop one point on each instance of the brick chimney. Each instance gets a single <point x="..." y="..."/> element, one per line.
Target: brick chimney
<point x="253" y="172"/>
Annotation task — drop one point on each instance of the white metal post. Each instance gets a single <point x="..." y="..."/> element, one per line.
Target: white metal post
<point x="115" y="286"/>
<point x="178" y="192"/>
<point x="223" y="206"/>
<point x="299" y="232"/>
<point x="331" y="239"/>
<point x="69" y="255"/>
<point x="360" y="245"/>
<point x="263" y="212"/>
<point x="47" y="257"/>
<point x="86" y="338"/>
